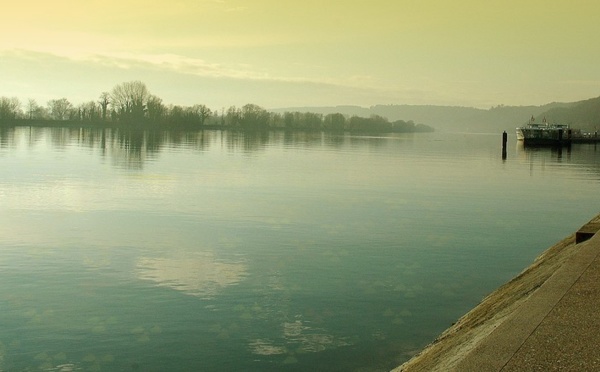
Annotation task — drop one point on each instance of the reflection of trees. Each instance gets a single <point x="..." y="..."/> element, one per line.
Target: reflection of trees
<point x="131" y="147"/>
<point x="246" y="141"/>
<point x="371" y="142"/>
<point x="586" y="155"/>
<point x="7" y="137"/>
<point x="303" y="139"/>
<point x="334" y="140"/>
<point x="62" y="137"/>
<point x="197" y="140"/>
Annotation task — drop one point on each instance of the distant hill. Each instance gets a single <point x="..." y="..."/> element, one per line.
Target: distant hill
<point x="584" y="115"/>
<point x="469" y="119"/>
<point x="439" y="117"/>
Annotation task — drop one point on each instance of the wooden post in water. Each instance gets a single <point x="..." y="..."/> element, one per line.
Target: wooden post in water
<point x="504" y="140"/>
<point x="560" y="136"/>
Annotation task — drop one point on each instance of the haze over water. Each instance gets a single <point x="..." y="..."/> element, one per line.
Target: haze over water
<point x="229" y="251"/>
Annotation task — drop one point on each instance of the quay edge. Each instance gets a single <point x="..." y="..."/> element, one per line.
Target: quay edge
<point x="489" y="336"/>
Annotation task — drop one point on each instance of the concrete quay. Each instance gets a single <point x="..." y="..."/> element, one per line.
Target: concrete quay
<point x="545" y="319"/>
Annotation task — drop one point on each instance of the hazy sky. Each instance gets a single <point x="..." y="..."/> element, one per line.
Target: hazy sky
<point x="280" y="53"/>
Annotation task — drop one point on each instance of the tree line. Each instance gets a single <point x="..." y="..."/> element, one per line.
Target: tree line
<point x="132" y="103"/>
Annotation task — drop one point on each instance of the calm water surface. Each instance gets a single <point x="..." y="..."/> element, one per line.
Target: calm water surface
<point x="213" y="250"/>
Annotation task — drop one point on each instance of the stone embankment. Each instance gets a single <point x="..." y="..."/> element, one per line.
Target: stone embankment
<point x="544" y="319"/>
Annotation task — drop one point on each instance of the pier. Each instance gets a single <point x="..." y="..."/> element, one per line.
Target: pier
<point x="586" y="138"/>
<point x="544" y="319"/>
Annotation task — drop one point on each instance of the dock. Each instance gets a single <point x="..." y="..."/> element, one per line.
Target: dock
<point x="566" y="142"/>
<point x="588" y="138"/>
<point x="544" y="319"/>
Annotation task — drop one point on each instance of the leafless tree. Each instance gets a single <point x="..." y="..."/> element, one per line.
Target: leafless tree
<point x="129" y="100"/>
<point x="89" y="111"/>
<point x="10" y="108"/>
<point x="104" y="102"/>
<point x="32" y="107"/>
<point x="201" y="112"/>
<point x="156" y="110"/>
<point x="60" y="109"/>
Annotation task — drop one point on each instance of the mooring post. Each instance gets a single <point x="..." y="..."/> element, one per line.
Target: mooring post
<point x="504" y="140"/>
<point x="560" y="136"/>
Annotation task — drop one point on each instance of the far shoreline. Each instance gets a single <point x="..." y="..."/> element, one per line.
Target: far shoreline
<point x="149" y="125"/>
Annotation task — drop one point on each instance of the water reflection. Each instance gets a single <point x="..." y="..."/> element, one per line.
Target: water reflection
<point x="132" y="148"/>
<point x="201" y="275"/>
<point x="270" y="251"/>
<point x="585" y="157"/>
<point x="298" y="336"/>
<point x="7" y="137"/>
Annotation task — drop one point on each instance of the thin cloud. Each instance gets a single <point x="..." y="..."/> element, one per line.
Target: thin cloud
<point x="581" y="82"/>
<point x="237" y="9"/>
<point x="355" y="89"/>
<point x="200" y="67"/>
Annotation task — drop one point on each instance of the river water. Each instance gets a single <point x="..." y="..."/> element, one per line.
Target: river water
<point x="210" y="251"/>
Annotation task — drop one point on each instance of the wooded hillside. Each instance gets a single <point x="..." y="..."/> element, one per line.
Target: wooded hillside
<point x="583" y="115"/>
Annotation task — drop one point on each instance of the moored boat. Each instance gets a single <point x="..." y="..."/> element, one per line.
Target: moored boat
<point x="544" y="134"/>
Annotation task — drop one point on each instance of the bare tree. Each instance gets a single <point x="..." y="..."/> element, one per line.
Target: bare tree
<point x="201" y="112"/>
<point x="32" y="107"/>
<point x="233" y="117"/>
<point x="89" y="111"/>
<point x="104" y="102"/>
<point x="335" y="122"/>
<point x="10" y="108"/>
<point x="35" y="111"/>
<point x="156" y="110"/>
<point x="129" y="100"/>
<point x="60" y="109"/>
<point x="254" y="116"/>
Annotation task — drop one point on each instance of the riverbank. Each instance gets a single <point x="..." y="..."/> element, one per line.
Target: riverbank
<point x="523" y="325"/>
<point x="365" y="127"/>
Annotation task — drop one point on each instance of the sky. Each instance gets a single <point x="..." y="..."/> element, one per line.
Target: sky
<point x="280" y="53"/>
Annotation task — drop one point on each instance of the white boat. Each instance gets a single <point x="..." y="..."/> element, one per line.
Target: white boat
<point x="544" y="134"/>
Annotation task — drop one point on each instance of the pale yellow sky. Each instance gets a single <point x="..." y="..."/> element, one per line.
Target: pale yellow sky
<point x="295" y="53"/>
